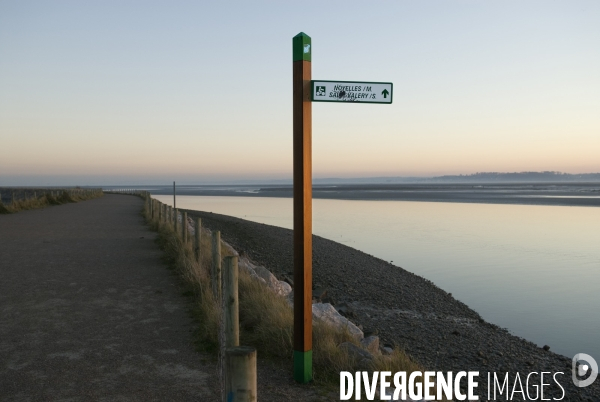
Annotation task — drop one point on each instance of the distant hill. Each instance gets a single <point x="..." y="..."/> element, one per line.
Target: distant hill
<point x="482" y="177"/>
<point x="520" y="177"/>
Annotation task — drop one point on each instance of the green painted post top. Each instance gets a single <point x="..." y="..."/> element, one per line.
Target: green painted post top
<point x="302" y="47"/>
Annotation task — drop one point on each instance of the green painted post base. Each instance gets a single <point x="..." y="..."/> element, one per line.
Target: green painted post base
<point x="303" y="366"/>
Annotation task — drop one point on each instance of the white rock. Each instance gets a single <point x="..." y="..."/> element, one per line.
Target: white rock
<point x="230" y="248"/>
<point x="286" y="288"/>
<point x="327" y="313"/>
<point x="271" y="280"/>
<point x="264" y="275"/>
<point x="371" y="343"/>
<point x="243" y="263"/>
<point x="260" y="273"/>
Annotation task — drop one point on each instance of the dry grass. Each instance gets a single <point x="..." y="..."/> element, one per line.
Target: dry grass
<point x="46" y="199"/>
<point x="181" y="258"/>
<point x="267" y="323"/>
<point x="266" y="319"/>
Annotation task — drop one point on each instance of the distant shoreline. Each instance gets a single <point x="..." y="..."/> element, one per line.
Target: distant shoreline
<point x="549" y="194"/>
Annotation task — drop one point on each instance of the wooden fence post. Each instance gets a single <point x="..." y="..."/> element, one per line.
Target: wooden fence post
<point x="198" y="234"/>
<point x="176" y="220"/>
<point x="184" y="227"/>
<point x="240" y="374"/>
<point x="230" y="291"/>
<point x="216" y="264"/>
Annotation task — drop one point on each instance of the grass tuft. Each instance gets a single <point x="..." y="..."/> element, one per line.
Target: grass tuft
<point x="266" y="319"/>
<point x="47" y="199"/>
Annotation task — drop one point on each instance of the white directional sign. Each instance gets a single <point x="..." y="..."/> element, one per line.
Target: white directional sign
<point x="352" y="91"/>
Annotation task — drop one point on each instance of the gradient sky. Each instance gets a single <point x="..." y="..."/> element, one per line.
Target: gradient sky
<point x="115" y="92"/>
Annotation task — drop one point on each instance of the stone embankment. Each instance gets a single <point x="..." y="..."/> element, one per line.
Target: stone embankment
<point x="401" y="308"/>
<point x="321" y="311"/>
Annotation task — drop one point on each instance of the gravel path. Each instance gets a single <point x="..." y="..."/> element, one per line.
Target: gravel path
<point x="88" y="312"/>
<point x="404" y="309"/>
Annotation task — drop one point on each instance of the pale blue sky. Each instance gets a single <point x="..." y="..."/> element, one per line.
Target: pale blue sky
<point x="137" y="91"/>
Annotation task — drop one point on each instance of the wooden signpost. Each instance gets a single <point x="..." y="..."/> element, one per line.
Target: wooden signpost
<point x="302" y="210"/>
<point x="305" y="92"/>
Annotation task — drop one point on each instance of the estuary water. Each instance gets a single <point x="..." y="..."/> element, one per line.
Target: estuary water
<point x="533" y="269"/>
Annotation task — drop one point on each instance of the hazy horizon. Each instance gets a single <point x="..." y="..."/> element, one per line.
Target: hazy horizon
<point x="117" y="93"/>
<point x="119" y="181"/>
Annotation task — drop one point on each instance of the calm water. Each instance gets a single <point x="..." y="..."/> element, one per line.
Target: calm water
<point x="532" y="269"/>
